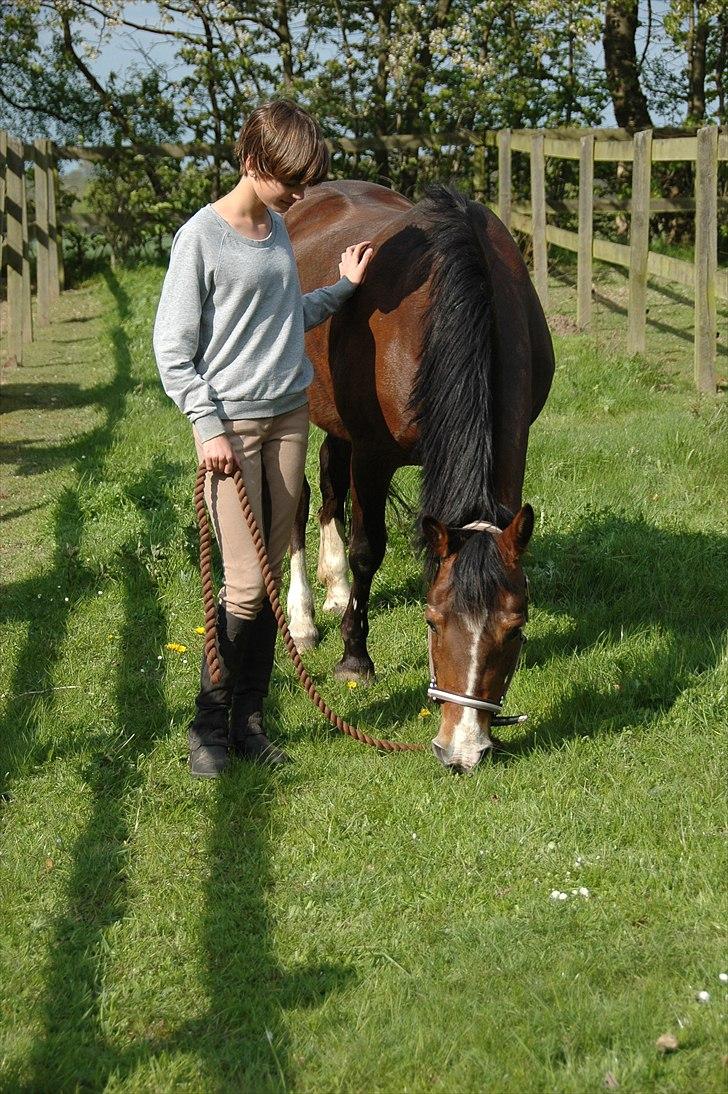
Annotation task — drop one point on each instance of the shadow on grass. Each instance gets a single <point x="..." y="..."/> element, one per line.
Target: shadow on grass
<point x="236" y="1035"/>
<point x="37" y="600"/>
<point x="674" y="295"/>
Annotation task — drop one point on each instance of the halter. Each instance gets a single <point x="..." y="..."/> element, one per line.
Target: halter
<point x="442" y="696"/>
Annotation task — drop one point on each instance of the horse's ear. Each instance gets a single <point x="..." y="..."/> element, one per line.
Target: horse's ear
<point x="514" y="539"/>
<point x="436" y="536"/>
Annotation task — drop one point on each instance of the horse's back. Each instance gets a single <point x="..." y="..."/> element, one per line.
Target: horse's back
<point x="336" y="197"/>
<point x="336" y="214"/>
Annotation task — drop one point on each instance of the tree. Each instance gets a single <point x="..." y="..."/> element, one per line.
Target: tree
<point x="621" y="68"/>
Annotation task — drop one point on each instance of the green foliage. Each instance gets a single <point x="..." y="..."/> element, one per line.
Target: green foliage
<point x="365" y="69"/>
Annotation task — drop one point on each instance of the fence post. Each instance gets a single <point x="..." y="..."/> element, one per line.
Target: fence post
<point x="639" y="240"/>
<point x="43" y="268"/>
<point x="55" y="269"/>
<point x="14" y="211"/>
<point x="504" y="176"/>
<point x="706" y="257"/>
<point x="3" y="188"/>
<point x="27" y="301"/>
<point x="586" y="232"/>
<point x="538" y="219"/>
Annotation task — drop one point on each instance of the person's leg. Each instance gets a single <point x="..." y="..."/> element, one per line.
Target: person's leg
<point x="208" y="732"/>
<point x="284" y="457"/>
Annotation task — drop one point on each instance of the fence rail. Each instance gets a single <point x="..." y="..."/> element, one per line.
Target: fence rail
<point x="705" y="147"/>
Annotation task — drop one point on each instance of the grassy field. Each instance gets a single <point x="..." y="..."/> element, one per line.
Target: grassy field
<point x="360" y="922"/>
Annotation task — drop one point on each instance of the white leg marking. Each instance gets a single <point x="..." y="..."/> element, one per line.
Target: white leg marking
<point x="299" y="606"/>
<point x="468" y="736"/>
<point x="333" y="570"/>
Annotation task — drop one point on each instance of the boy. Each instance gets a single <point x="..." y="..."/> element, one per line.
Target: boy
<point x="229" y="344"/>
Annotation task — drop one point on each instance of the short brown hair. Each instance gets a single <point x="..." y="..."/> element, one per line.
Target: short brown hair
<point x="281" y="141"/>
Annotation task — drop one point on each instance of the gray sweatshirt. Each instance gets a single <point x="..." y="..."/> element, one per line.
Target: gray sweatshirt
<point x="228" y="336"/>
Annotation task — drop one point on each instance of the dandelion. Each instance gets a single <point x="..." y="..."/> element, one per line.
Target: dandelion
<point x="583" y="891"/>
<point x="351" y="683"/>
<point x="425" y="713"/>
<point x="723" y="977"/>
<point x="703" y="996"/>
<point x="556" y="894"/>
<point x="199" y="630"/>
<point x="176" y="647"/>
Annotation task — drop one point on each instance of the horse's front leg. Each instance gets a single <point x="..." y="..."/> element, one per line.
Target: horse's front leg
<point x="333" y="571"/>
<point x="299" y="605"/>
<point x="369" y="486"/>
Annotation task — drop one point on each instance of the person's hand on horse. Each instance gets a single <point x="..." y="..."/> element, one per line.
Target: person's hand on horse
<point x="218" y="455"/>
<point x="354" y="262"/>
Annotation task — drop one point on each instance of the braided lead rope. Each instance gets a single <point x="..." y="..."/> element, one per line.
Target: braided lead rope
<point x="208" y="593"/>
<point x="270" y="586"/>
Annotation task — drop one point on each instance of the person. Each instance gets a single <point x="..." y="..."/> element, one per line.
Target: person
<point x="229" y="345"/>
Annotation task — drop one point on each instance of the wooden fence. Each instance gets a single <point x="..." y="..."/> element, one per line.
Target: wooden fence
<point x="705" y="147"/>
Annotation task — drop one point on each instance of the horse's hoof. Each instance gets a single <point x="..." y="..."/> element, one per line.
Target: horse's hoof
<point x="352" y="668"/>
<point x="307" y="641"/>
<point x="335" y="606"/>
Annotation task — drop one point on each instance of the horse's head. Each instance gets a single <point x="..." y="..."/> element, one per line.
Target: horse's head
<point x="477" y="605"/>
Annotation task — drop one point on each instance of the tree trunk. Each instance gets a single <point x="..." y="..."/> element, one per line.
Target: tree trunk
<point x="720" y="67"/>
<point x="285" y="48"/>
<point x="620" y="63"/>
<point x="697" y="43"/>
<point x="382" y="12"/>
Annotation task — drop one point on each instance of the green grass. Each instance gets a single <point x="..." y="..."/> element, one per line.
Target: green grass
<point x="356" y="921"/>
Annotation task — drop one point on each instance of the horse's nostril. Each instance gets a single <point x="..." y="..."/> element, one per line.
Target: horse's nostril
<point x="440" y="753"/>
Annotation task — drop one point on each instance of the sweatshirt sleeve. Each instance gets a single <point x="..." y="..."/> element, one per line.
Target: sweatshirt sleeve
<point x="321" y="303"/>
<point x="177" y="333"/>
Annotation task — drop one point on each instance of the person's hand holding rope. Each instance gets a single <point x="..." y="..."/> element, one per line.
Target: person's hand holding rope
<point x="219" y="456"/>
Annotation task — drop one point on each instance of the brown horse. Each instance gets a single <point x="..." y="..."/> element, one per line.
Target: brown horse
<point x="442" y="358"/>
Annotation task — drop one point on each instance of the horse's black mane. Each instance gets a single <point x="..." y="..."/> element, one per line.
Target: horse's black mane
<point x="452" y="397"/>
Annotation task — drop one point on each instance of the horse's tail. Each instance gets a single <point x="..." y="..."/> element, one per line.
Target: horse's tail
<point x="452" y="400"/>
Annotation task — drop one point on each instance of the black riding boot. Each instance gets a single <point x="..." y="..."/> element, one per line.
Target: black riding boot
<point x="209" y="732"/>
<point x="247" y="735"/>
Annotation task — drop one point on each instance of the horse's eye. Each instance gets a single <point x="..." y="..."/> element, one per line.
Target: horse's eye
<point x="514" y="632"/>
<point x="431" y="624"/>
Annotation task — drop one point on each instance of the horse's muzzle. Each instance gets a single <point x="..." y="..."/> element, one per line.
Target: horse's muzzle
<point x="460" y="763"/>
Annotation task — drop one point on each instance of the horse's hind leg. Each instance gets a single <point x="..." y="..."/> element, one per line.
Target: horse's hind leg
<point x="299" y="606"/>
<point x="333" y="572"/>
